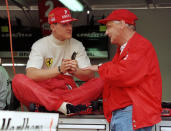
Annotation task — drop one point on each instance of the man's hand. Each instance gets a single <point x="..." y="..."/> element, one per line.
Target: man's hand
<point x="92" y="68"/>
<point x="65" y="65"/>
<point x="73" y="66"/>
<point x="69" y="66"/>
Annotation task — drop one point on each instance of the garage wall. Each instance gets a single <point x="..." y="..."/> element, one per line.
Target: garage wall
<point x="155" y="25"/>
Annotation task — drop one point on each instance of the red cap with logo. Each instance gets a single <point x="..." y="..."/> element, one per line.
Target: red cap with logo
<point x="120" y="14"/>
<point x="60" y="15"/>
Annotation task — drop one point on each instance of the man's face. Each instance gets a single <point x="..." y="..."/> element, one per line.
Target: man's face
<point x="113" y="31"/>
<point x="62" y="31"/>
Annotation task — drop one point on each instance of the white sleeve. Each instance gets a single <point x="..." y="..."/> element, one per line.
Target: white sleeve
<point x="82" y="58"/>
<point x="35" y="57"/>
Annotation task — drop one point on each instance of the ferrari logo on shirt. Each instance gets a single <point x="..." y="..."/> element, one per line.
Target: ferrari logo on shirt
<point x="49" y="61"/>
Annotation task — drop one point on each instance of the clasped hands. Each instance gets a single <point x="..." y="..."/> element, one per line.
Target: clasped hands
<point x="69" y="66"/>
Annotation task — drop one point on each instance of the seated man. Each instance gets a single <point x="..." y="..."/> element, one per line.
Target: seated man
<point x="53" y="62"/>
<point x="5" y="88"/>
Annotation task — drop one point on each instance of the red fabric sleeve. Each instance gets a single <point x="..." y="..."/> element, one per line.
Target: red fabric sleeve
<point x="126" y="71"/>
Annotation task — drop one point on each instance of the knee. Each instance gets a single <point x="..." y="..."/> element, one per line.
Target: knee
<point x="18" y="78"/>
<point x="99" y="82"/>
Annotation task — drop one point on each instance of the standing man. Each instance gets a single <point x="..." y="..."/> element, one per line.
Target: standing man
<point x="53" y="62"/>
<point x="132" y="80"/>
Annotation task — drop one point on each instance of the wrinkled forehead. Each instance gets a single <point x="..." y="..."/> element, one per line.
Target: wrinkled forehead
<point x="109" y="23"/>
<point x="64" y="24"/>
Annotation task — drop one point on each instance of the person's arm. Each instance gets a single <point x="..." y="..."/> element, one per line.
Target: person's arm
<point x="92" y="68"/>
<point x="41" y="74"/>
<point x="73" y="69"/>
<point x="129" y="71"/>
<point x="84" y="75"/>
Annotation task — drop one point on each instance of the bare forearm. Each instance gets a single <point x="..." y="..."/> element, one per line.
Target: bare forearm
<point x="41" y="74"/>
<point x="84" y="75"/>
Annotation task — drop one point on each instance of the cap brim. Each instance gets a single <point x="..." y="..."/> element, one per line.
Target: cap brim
<point x="68" y="20"/>
<point x="103" y="21"/>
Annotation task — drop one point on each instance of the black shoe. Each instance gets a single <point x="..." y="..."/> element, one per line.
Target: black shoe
<point x="97" y="105"/>
<point x="33" y="107"/>
<point x="84" y="109"/>
<point x="37" y="108"/>
<point x="71" y="109"/>
<point x="166" y="105"/>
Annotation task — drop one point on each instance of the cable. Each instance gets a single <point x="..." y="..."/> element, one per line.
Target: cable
<point x="12" y="56"/>
<point x="9" y="24"/>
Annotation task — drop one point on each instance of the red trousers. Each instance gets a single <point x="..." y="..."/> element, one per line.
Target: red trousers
<point x="53" y="92"/>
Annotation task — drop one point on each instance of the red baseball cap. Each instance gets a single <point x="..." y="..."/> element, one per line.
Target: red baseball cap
<point x="120" y="14"/>
<point x="60" y="15"/>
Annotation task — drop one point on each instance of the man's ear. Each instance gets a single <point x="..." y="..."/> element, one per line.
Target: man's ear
<point x="52" y="27"/>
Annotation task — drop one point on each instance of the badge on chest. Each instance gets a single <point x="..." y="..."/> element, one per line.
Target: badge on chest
<point x="49" y="61"/>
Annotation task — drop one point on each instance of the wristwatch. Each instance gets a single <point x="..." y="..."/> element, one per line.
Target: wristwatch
<point x="59" y="69"/>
